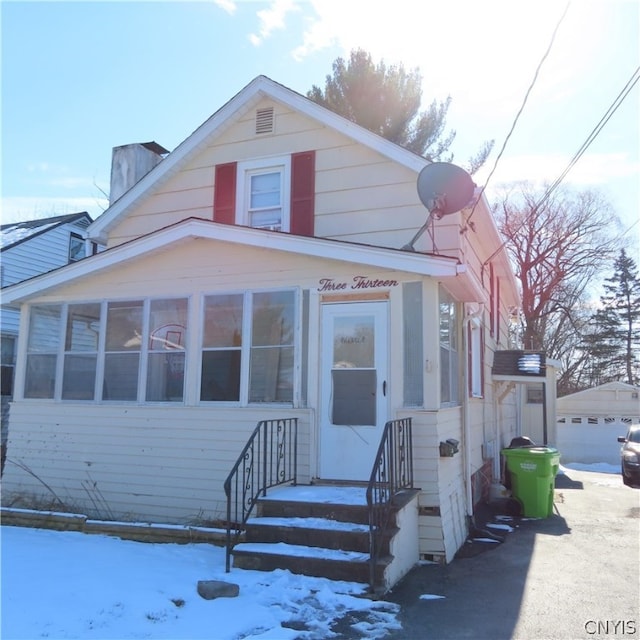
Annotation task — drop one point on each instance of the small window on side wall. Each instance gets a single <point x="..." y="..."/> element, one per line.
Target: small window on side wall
<point x="77" y="249"/>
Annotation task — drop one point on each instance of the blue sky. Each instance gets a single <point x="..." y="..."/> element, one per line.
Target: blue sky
<point x="79" y="78"/>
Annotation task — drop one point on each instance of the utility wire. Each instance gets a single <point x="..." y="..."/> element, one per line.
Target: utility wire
<point x="635" y="76"/>
<point x="520" y="110"/>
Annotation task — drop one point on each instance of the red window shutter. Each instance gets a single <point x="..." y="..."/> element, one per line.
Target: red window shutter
<point x="303" y="191"/>
<point x="224" y="196"/>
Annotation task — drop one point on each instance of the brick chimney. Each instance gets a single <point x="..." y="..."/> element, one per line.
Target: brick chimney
<point x="130" y="163"/>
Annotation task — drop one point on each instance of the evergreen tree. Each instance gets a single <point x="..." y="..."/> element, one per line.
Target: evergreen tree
<point x="614" y="342"/>
<point x="386" y="100"/>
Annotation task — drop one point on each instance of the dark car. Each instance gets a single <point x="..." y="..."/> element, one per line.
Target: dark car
<point x="630" y="456"/>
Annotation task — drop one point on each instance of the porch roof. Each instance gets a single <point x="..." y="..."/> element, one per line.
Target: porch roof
<point x="444" y="269"/>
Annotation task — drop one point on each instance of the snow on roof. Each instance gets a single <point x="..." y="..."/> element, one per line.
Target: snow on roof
<point x="16" y="232"/>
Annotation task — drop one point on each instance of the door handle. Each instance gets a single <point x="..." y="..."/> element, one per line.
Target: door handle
<point x="384" y="388"/>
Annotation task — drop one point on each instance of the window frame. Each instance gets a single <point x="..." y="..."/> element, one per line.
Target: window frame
<point x="73" y="238"/>
<point x="61" y="352"/>
<point x="247" y="346"/>
<point x="476" y="358"/>
<point x="250" y="168"/>
<point x="452" y="348"/>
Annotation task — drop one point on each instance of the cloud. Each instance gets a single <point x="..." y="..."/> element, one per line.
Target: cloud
<point x="226" y="5"/>
<point x="272" y="19"/>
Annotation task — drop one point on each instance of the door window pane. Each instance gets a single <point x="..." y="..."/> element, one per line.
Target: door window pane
<point x="354" y="396"/>
<point x="353" y="342"/>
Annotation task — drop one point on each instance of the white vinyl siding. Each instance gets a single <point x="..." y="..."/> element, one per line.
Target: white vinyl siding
<point x="164" y="464"/>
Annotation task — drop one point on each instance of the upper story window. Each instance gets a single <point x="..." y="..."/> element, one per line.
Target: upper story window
<point x="77" y="249"/>
<point x="275" y="193"/>
<point x="263" y="194"/>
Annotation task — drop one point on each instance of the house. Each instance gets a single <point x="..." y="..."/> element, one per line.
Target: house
<point x="28" y="249"/>
<point x="589" y="422"/>
<point x="258" y="275"/>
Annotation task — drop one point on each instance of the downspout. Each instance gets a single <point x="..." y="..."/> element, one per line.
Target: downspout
<point x="466" y="423"/>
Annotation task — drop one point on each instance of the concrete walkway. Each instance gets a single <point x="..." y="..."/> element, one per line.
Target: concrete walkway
<point x="573" y="575"/>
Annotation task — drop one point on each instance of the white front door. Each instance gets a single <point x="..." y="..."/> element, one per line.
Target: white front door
<point x="354" y="388"/>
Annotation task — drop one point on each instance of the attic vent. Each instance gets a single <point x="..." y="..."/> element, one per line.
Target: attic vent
<point x="264" y="120"/>
<point x="82" y="223"/>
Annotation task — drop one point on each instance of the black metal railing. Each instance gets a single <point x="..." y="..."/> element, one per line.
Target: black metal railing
<point x="392" y="472"/>
<point x="268" y="459"/>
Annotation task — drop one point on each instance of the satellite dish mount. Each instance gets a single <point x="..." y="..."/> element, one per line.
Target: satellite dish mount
<point x="443" y="188"/>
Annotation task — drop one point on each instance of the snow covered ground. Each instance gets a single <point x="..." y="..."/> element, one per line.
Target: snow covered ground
<point x="74" y="585"/>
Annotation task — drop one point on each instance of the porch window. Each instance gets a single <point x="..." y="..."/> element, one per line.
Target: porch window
<point x="42" y="351"/>
<point x="222" y="348"/>
<point x="272" y="333"/>
<point x="449" y="356"/>
<point x="124" y="351"/>
<point x="82" y="337"/>
<point x="166" y="357"/>
<point x="248" y="347"/>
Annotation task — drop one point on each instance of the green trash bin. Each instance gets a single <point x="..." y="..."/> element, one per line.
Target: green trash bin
<point x="533" y="471"/>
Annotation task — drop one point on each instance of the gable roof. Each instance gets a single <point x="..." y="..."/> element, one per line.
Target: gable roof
<point x="443" y="268"/>
<point x="608" y="386"/>
<point x="14" y="233"/>
<point x="221" y="120"/>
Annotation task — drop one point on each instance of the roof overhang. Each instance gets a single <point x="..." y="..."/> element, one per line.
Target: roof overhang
<point x="439" y="267"/>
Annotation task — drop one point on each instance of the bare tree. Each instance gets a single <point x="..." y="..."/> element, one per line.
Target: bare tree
<point x="558" y="249"/>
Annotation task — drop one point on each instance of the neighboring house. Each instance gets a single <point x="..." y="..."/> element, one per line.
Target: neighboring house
<point x="28" y="249"/>
<point x="589" y="422"/>
<point x="257" y="272"/>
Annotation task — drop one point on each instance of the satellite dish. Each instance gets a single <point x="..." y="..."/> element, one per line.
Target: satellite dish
<point x="443" y="188"/>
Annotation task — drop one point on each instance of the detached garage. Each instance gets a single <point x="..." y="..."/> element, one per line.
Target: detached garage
<point x="589" y="422"/>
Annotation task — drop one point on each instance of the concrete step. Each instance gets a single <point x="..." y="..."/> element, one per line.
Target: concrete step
<point x="312" y="532"/>
<point x="352" y="566"/>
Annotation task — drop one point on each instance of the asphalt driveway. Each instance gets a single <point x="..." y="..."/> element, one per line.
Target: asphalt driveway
<point x="573" y="575"/>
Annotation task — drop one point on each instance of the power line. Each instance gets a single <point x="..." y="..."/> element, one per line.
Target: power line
<point x="635" y="76"/>
<point x="521" y="109"/>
